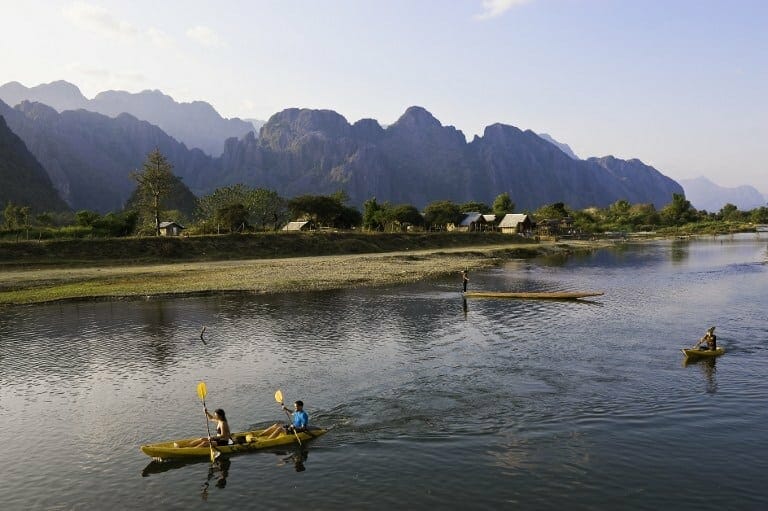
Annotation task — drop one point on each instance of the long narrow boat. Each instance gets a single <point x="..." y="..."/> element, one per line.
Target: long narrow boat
<point x="536" y="295"/>
<point x="243" y="442"/>
<point x="697" y="353"/>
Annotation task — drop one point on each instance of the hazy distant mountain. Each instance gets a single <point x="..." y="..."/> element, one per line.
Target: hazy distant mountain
<point x="196" y="124"/>
<point x="257" y="124"/>
<point x="23" y="181"/>
<point x="60" y="95"/>
<point x="563" y="147"/>
<point x="89" y="156"/>
<point x="704" y="194"/>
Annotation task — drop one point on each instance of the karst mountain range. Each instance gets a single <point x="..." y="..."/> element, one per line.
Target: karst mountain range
<point x="79" y="153"/>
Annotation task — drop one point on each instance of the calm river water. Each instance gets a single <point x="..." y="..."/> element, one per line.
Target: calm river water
<point x="432" y="402"/>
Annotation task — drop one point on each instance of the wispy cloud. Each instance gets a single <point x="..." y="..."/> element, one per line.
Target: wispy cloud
<point x="205" y="36"/>
<point x="97" y="19"/>
<point x="107" y="75"/>
<point x="158" y="38"/>
<point x="494" y="8"/>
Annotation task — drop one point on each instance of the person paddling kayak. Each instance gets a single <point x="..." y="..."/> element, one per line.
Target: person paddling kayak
<point x="223" y="434"/>
<point x="710" y="339"/>
<point x="299" y="422"/>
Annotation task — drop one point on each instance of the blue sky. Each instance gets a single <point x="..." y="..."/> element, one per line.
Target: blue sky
<point x="680" y="84"/>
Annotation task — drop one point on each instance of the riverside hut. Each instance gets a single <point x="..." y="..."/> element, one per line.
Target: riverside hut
<point x="516" y="223"/>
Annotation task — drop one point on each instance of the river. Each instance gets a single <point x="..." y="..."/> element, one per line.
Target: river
<point x="432" y="401"/>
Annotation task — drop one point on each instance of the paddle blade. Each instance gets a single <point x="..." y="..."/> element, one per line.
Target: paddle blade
<point x="213" y="454"/>
<point x="202" y="390"/>
<point x="279" y="396"/>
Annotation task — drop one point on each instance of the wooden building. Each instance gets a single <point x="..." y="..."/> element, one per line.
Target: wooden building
<point x="171" y="229"/>
<point x="472" y="222"/>
<point x="302" y="225"/>
<point x="516" y="223"/>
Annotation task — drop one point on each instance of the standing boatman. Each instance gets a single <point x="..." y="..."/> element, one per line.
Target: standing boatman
<point x="464" y="279"/>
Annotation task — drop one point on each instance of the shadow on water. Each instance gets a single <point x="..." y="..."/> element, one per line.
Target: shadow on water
<point x="708" y="367"/>
<point x="218" y="471"/>
<point x="296" y="456"/>
<point x="584" y="301"/>
<point x="679" y="251"/>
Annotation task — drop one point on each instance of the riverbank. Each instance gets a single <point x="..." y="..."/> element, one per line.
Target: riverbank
<point x="234" y="247"/>
<point x="29" y="285"/>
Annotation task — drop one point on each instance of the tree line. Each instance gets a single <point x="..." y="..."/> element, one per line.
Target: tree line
<point x="239" y="208"/>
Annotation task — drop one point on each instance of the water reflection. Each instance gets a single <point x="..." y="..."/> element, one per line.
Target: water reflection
<point x="679" y="251"/>
<point x="219" y="470"/>
<point x="296" y="457"/>
<point x="216" y="476"/>
<point x="158" y="467"/>
<point x="708" y="369"/>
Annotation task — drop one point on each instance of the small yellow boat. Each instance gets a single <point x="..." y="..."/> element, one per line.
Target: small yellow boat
<point x="243" y="442"/>
<point x="699" y="353"/>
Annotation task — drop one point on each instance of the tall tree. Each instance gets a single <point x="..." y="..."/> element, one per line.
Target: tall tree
<point x="154" y="183"/>
<point x="221" y="198"/>
<point x="406" y="214"/>
<point x="372" y="212"/>
<point x="730" y="212"/>
<point x="438" y="214"/>
<point x="475" y="207"/>
<point x="11" y="215"/>
<point x="263" y="207"/>
<point x="502" y="205"/>
<point x="759" y="215"/>
<point x="266" y="207"/>
<point x="679" y="211"/>
<point x="556" y="211"/>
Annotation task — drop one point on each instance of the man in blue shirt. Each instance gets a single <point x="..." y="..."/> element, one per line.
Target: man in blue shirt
<point x="300" y="417"/>
<point x="299" y="422"/>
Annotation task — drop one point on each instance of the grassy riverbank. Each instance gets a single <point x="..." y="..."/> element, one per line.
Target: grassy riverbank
<point x="143" y="268"/>
<point x="144" y="250"/>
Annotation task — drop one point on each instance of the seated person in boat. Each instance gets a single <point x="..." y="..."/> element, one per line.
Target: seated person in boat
<point x="710" y="339"/>
<point x="223" y="434"/>
<point x="299" y="422"/>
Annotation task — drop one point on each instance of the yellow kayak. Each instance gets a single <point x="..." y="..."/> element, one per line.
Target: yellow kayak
<point x="243" y="442"/>
<point x="697" y="353"/>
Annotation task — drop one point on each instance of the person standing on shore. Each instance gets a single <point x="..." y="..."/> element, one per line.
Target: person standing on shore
<point x="464" y="279"/>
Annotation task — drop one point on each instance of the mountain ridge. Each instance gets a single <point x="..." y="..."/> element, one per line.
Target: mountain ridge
<point x="704" y="194"/>
<point x="196" y="123"/>
<point x="89" y="156"/>
<point x="23" y="180"/>
<point x="415" y="160"/>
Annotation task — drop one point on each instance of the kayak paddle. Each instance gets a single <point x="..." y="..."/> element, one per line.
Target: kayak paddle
<point x="279" y="399"/>
<point x="202" y="391"/>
